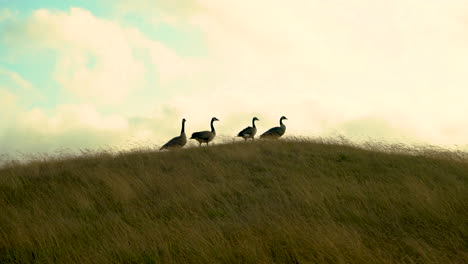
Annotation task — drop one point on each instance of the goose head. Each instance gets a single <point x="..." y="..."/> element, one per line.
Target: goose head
<point x="214" y="119"/>
<point x="283" y="118"/>
<point x="256" y="119"/>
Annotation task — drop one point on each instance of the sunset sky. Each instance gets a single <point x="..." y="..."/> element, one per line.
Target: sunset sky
<point x="112" y="73"/>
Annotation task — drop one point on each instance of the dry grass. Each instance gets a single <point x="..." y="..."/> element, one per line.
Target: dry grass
<point x="263" y="202"/>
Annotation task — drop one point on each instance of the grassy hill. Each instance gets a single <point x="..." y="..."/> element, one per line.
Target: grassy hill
<point x="263" y="202"/>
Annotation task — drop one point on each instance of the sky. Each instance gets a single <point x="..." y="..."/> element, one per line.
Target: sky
<point x="96" y="74"/>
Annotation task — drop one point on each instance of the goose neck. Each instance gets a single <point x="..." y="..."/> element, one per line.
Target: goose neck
<point x="182" y="131"/>
<point x="212" y="126"/>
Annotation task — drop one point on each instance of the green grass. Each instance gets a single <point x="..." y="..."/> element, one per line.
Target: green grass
<point x="264" y="202"/>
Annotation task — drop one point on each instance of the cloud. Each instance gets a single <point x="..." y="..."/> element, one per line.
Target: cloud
<point x="100" y="62"/>
<point x="6" y="14"/>
<point x="166" y="11"/>
<point x="12" y="81"/>
<point x="96" y="58"/>
<point x="70" y="127"/>
<point x="326" y="64"/>
<point x="391" y="70"/>
<point x="16" y="79"/>
<point x="28" y="129"/>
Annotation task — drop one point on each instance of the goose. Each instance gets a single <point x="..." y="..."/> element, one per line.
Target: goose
<point x="249" y="132"/>
<point x="177" y="142"/>
<point x="275" y="132"/>
<point x="205" y="136"/>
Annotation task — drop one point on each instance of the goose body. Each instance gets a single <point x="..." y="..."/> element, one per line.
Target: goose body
<point x="177" y="142"/>
<point x="249" y="132"/>
<point x="205" y="136"/>
<point x="275" y="132"/>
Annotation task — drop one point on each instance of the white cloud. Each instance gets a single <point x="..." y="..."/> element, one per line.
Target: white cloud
<point x="15" y="79"/>
<point x="6" y="13"/>
<point x="169" y="66"/>
<point x="96" y="57"/>
<point x="70" y="127"/>
<point x="12" y="81"/>
<point x="327" y="63"/>
<point x="67" y="126"/>
<point x="67" y="117"/>
<point x="96" y="60"/>
<point x="100" y="61"/>
<point x="396" y="69"/>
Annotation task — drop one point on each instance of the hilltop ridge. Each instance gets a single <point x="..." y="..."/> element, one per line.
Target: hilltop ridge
<point x="287" y="201"/>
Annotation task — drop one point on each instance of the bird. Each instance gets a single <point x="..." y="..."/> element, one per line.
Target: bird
<point x="275" y="132"/>
<point x="249" y="132"/>
<point x="205" y="136"/>
<point x="177" y="142"/>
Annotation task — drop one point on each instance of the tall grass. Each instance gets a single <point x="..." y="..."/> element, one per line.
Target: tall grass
<point x="296" y="201"/>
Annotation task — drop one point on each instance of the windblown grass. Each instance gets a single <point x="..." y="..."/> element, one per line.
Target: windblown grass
<point x="296" y="201"/>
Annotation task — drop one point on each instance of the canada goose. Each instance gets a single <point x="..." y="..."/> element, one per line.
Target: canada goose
<point x="205" y="136"/>
<point x="177" y="142"/>
<point x="275" y="132"/>
<point x="249" y="132"/>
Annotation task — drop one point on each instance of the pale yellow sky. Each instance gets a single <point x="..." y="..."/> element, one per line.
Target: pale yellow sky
<point x="393" y="70"/>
